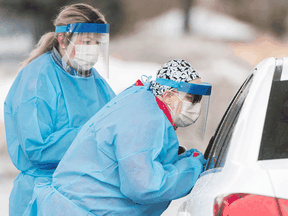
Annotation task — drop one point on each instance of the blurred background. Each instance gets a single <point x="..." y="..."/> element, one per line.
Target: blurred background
<point x="222" y="39"/>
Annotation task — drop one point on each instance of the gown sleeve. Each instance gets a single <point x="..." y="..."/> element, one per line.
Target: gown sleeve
<point x="36" y="121"/>
<point x="41" y="116"/>
<point x="144" y="178"/>
<point x="35" y="124"/>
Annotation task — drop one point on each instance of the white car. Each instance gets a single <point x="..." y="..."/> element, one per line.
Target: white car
<point x="247" y="158"/>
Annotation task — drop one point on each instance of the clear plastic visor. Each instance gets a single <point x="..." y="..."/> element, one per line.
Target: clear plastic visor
<point x="86" y="51"/>
<point x="193" y="109"/>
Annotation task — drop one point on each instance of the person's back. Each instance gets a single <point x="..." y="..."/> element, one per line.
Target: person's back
<point x="105" y="149"/>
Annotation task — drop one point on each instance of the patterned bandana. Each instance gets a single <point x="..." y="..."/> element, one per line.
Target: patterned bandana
<point x="176" y="70"/>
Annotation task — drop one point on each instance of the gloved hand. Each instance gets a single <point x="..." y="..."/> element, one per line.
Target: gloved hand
<point x="201" y="158"/>
<point x="188" y="153"/>
<point x="193" y="153"/>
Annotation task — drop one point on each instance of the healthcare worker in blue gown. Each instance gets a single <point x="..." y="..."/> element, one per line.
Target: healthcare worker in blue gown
<point x="125" y="161"/>
<point x="54" y="95"/>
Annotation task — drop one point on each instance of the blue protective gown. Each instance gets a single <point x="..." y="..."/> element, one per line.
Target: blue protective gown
<point x="44" y="110"/>
<point x="122" y="162"/>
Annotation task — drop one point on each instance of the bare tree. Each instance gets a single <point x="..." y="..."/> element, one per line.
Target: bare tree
<point x="186" y="6"/>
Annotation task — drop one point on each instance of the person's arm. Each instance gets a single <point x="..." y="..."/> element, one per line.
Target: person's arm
<point x="146" y="148"/>
<point x="148" y="140"/>
<point x="146" y="181"/>
<point x="35" y="123"/>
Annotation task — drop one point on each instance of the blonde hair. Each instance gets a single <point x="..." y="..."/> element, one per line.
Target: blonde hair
<point x="76" y="13"/>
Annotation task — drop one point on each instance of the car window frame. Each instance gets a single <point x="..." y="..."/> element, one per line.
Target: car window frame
<point x="226" y="124"/>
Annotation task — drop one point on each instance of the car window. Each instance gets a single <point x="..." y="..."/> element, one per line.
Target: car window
<point x="274" y="143"/>
<point x="219" y="143"/>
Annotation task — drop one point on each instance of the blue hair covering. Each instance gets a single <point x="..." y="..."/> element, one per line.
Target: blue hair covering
<point x="176" y="70"/>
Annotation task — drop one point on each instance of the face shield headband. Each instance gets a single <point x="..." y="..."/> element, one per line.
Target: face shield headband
<point x="191" y="88"/>
<point x="83" y="28"/>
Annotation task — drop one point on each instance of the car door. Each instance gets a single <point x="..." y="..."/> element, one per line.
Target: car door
<point x="217" y="150"/>
<point x="218" y="147"/>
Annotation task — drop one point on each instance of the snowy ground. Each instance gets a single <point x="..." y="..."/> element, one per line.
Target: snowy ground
<point x="143" y="52"/>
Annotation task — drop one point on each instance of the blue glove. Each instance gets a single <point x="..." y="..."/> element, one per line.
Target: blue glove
<point x="201" y="158"/>
<point x="188" y="153"/>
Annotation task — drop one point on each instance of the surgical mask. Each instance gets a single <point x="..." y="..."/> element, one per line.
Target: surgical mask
<point x="188" y="115"/>
<point x="86" y="56"/>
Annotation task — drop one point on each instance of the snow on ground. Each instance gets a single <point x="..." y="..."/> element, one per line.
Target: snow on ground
<point x="7" y="171"/>
<point x="5" y="84"/>
<point x="203" y="22"/>
<point x="125" y="73"/>
<point x="5" y="189"/>
<point x="219" y="26"/>
<point x="21" y="44"/>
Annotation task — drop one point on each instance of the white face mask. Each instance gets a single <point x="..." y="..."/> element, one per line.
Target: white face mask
<point x="188" y="115"/>
<point x="86" y="56"/>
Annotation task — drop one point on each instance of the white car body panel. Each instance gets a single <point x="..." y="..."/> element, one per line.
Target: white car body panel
<point x="243" y="172"/>
<point x="278" y="172"/>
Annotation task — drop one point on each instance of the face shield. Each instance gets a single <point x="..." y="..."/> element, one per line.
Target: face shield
<point x="88" y="45"/>
<point x="192" y="106"/>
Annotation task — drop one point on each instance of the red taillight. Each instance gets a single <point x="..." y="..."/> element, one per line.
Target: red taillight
<point x="250" y="205"/>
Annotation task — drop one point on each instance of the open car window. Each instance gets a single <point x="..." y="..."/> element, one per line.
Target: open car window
<point x="217" y="149"/>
